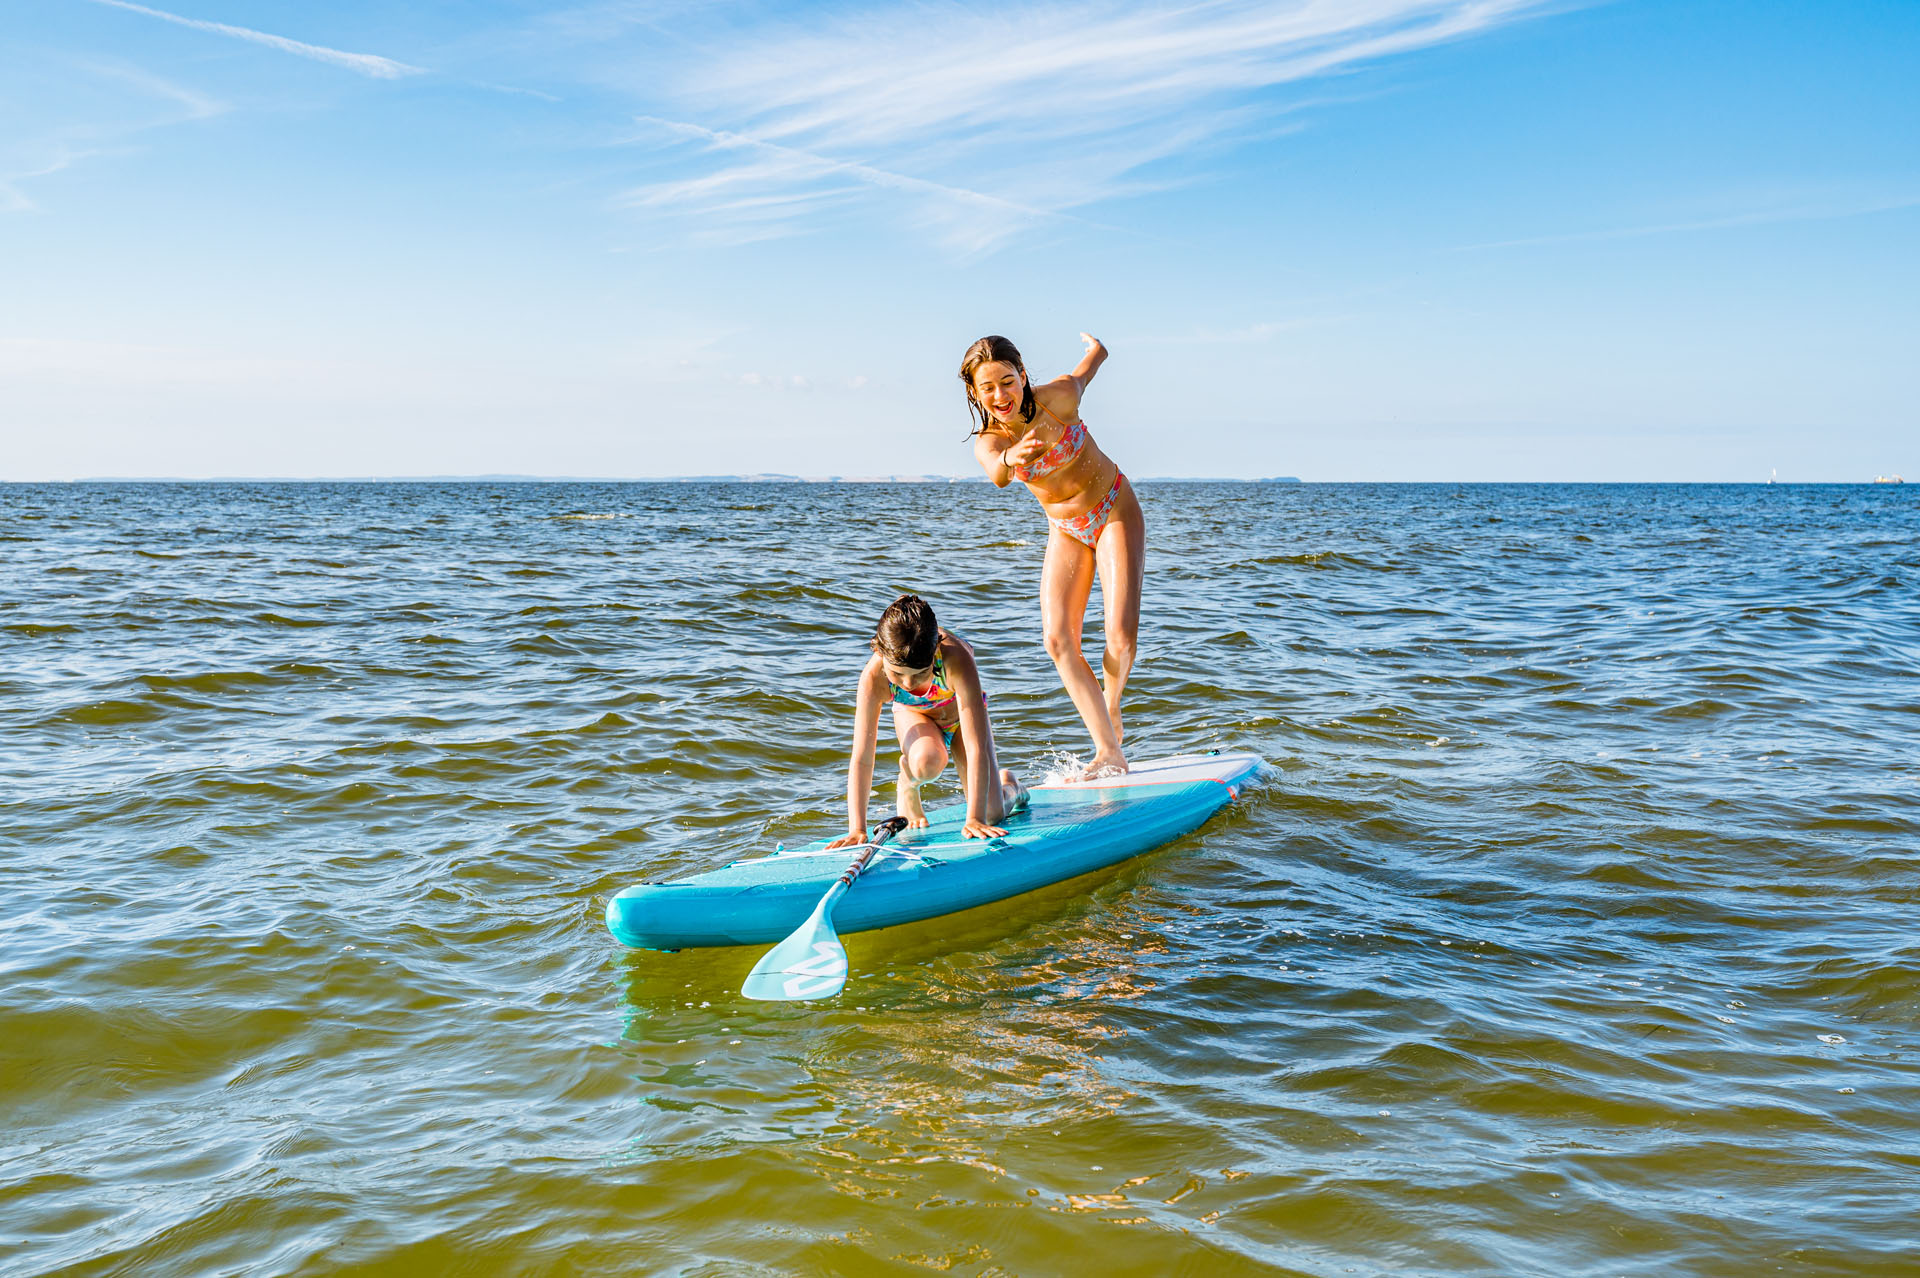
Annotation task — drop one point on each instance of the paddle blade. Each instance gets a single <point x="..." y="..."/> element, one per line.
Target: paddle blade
<point x="809" y="964"/>
<point x="812" y="963"/>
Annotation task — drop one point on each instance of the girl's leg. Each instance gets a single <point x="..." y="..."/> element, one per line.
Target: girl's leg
<point x="1009" y="794"/>
<point x="923" y="753"/>
<point x="1066" y="580"/>
<point x="1013" y="791"/>
<point x="1122" y="555"/>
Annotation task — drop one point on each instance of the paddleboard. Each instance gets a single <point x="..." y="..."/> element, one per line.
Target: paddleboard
<point x="1066" y="830"/>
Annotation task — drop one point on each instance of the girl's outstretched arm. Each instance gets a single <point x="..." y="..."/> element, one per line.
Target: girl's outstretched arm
<point x="866" y="730"/>
<point x="1064" y="392"/>
<point x="1089" y="363"/>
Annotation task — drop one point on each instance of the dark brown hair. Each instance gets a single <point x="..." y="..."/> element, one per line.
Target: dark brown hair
<point x="994" y="350"/>
<point x="907" y="635"/>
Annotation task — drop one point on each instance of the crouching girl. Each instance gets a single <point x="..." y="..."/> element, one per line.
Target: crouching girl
<point x="927" y="675"/>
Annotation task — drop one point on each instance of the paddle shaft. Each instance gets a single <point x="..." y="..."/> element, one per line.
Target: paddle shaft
<point x="888" y="828"/>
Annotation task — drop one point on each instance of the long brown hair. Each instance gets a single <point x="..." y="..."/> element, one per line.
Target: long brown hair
<point x="994" y="350"/>
<point x="907" y="634"/>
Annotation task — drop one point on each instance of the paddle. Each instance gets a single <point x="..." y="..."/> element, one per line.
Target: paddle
<point x="812" y="963"/>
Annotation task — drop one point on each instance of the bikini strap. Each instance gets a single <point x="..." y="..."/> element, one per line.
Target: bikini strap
<point x="1067" y="429"/>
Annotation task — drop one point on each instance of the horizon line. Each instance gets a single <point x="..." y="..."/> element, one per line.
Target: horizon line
<point x="922" y="479"/>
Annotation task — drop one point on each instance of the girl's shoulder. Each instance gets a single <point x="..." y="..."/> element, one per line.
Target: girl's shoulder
<point x="1060" y="397"/>
<point x="955" y="650"/>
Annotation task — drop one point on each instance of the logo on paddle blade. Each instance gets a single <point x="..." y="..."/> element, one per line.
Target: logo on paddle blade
<point x="824" y="973"/>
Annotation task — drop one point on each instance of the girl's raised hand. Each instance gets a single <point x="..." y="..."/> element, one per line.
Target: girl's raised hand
<point x="1090" y="362"/>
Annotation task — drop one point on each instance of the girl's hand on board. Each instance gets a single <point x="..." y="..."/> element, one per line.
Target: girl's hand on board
<point x="981" y="830"/>
<point x="847" y="840"/>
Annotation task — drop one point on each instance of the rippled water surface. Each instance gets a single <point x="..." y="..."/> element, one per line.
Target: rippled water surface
<point x="1573" y="931"/>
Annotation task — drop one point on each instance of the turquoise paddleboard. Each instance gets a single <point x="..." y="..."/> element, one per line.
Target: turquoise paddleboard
<point x="1066" y="830"/>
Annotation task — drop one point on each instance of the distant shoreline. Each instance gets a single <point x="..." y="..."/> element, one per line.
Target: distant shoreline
<point x="600" y="479"/>
<point x="919" y="479"/>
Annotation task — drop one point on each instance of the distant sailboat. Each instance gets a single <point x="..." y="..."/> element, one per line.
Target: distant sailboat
<point x="1774" y="478"/>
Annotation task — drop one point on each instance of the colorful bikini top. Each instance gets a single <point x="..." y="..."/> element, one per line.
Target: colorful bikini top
<point x="935" y="694"/>
<point x="1073" y="438"/>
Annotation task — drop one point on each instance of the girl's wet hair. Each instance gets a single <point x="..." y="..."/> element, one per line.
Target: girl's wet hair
<point x="994" y="350"/>
<point x="907" y="635"/>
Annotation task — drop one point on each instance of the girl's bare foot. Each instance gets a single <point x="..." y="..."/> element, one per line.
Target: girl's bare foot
<point x="908" y="805"/>
<point x="1105" y="765"/>
<point x="1013" y="793"/>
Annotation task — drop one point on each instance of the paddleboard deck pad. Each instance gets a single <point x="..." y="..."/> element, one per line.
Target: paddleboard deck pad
<point x="1065" y="830"/>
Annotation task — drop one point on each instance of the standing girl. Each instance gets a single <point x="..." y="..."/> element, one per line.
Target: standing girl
<point x="1034" y="434"/>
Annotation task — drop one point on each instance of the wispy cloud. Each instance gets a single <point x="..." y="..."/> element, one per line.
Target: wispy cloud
<point x="993" y="121"/>
<point x="14" y="200"/>
<point x="364" y="63"/>
<point x="791" y="172"/>
<point x="63" y="147"/>
<point x="195" y="104"/>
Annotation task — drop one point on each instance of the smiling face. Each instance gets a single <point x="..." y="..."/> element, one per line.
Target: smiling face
<point x="999" y="388"/>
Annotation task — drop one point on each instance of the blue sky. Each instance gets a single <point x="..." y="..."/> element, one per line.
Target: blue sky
<point x="1366" y="240"/>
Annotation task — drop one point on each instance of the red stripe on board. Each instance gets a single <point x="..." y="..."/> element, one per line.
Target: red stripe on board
<point x="1135" y="785"/>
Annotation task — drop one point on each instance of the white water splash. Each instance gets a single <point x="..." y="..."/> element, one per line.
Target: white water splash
<point x="1057" y="767"/>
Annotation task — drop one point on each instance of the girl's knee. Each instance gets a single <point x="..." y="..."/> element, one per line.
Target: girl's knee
<point x="1062" y="645"/>
<point x="923" y="762"/>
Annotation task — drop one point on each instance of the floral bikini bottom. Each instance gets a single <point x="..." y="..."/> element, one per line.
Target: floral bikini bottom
<point x="1086" y="528"/>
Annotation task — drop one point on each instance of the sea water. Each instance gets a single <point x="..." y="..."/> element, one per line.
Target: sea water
<point x="1572" y="931"/>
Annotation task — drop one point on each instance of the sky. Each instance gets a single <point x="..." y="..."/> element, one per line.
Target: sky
<point x="1346" y="240"/>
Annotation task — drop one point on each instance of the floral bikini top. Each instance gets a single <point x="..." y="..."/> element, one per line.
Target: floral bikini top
<point x="937" y="693"/>
<point x="1073" y="438"/>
